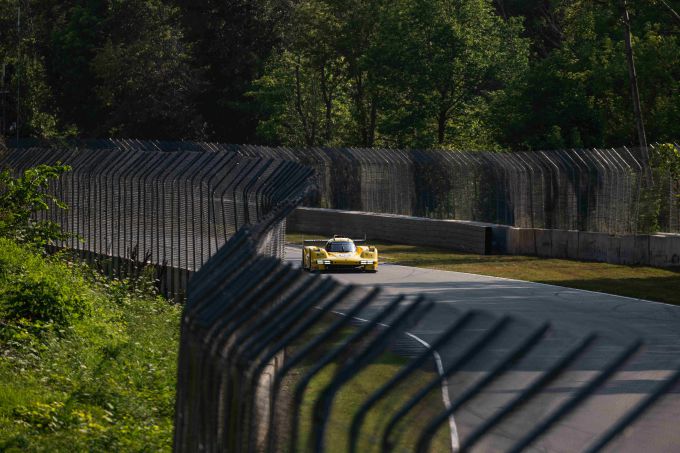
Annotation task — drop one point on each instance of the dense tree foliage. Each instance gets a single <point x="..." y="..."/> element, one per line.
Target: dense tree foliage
<point x="475" y="74"/>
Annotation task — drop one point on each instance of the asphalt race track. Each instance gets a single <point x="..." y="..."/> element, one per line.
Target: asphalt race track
<point x="573" y="314"/>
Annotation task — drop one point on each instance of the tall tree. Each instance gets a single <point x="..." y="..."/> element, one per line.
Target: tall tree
<point x="232" y="39"/>
<point x="407" y="73"/>
<point x="72" y="32"/>
<point x="441" y="59"/>
<point x="145" y="81"/>
<point x="575" y="94"/>
<point x="305" y="91"/>
<point x="29" y="105"/>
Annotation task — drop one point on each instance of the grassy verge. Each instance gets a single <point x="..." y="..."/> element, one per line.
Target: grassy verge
<point x="351" y="397"/>
<point x="96" y="375"/>
<point x="651" y="283"/>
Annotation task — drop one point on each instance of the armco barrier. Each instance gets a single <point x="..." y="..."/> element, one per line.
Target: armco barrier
<point x="276" y="359"/>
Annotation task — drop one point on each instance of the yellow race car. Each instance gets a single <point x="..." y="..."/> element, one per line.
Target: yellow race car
<point x="338" y="253"/>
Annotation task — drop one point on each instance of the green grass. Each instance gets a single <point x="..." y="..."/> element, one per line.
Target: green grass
<point x="350" y="398"/>
<point x="356" y="391"/>
<point x="644" y="282"/>
<point x="102" y="379"/>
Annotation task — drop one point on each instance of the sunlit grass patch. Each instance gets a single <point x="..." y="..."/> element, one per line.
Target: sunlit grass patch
<point x="103" y="381"/>
<point x="356" y="392"/>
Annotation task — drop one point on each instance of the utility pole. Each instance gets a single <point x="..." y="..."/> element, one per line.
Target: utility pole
<point x="632" y="75"/>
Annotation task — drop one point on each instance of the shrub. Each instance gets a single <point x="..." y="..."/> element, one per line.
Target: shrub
<point x="654" y="200"/>
<point x="42" y="298"/>
<point x="22" y="198"/>
<point x="36" y="291"/>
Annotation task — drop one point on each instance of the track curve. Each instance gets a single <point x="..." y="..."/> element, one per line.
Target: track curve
<point x="573" y="315"/>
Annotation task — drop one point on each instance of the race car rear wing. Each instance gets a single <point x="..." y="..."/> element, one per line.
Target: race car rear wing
<point x="314" y="241"/>
<point x="323" y="241"/>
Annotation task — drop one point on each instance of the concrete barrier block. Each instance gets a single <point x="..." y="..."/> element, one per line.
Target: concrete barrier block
<point x="572" y="244"/>
<point x="543" y="242"/>
<point x="512" y="241"/>
<point x="564" y="244"/>
<point x="613" y="249"/>
<point x="664" y="250"/>
<point x="634" y="250"/>
<point x="526" y="241"/>
<point x="499" y="239"/>
<point x="521" y="241"/>
<point x="593" y="246"/>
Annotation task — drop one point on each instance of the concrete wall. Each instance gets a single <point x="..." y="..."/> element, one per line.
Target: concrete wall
<point x="661" y="250"/>
<point x="463" y="236"/>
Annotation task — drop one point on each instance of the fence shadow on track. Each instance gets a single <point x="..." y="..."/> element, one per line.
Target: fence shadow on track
<point x="276" y="359"/>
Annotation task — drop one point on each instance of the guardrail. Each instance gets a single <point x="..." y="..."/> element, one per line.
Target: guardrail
<point x="275" y="359"/>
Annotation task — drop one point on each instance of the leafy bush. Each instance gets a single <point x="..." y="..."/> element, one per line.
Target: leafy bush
<point x="42" y="298"/>
<point x="105" y="382"/>
<point x="22" y="198"/>
<point x="664" y="161"/>
<point x="35" y="291"/>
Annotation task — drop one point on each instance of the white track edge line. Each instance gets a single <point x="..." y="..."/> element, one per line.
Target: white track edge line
<point x="455" y="441"/>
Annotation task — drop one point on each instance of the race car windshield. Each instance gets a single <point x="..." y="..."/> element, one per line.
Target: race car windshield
<point x="341" y="247"/>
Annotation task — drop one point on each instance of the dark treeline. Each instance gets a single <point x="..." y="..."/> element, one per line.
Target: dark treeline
<point x="473" y="74"/>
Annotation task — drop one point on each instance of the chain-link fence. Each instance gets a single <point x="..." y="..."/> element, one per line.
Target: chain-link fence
<point x="172" y="210"/>
<point x="588" y="189"/>
<point x="275" y="359"/>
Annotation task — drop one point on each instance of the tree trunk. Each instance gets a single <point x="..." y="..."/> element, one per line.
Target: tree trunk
<point x="441" y="126"/>
<point x="298" y="106"/>
<point x="632" y="75"/>
<point x="361" y="110"/>
<point x="328" y="103"/>
<point x="371" y="125"/>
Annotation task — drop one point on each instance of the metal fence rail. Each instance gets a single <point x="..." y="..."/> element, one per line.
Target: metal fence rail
<point x="169" y="209"/>
<point x="275" y="359"/>
<point x="585" y="189"/>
